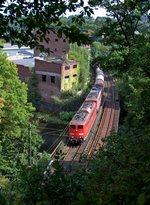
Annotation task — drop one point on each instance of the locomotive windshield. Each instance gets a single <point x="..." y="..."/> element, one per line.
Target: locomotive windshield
<point x="72" y="127"/>
<point x="80" y="127"/>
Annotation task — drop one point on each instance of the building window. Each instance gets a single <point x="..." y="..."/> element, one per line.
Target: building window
<point x="55" y="49"/>
<point x="75" y="66"/>
<point x="56" y="39"/>
<point x="64" y="50"/>
<point x="52" y="79"/>
<point x="64" y="40"/>
<point x="66" y="79"/>
<point x="74" y="76"/>
<point x="67" y="67"/>
<point x="44" y="78"/>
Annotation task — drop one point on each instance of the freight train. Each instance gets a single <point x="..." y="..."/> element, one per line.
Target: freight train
<point x="83" y="120"/>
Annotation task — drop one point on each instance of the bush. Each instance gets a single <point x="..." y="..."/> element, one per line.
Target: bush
<point x="66" y="116"/>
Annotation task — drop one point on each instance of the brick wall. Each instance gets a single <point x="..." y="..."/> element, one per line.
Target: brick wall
<point x="47" y="89"/>
<point x="43" y="65"/>
<point x="24" y="73"/>
<point x="49" y="78"/>
<point x="59" y="47"/>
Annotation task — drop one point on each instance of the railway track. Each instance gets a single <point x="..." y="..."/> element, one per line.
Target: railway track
<point x="105" y="125"/>
<point x="106" y="121"/>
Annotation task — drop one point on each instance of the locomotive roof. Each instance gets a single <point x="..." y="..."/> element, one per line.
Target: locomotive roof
<point x="94" y="92"/>
<point x="81" y="115"/>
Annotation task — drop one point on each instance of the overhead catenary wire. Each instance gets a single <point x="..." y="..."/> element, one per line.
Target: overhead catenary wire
<point x="61" y="136"/>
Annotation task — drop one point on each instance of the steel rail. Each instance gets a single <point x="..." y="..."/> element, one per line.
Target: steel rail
<point x="106" y="121"/>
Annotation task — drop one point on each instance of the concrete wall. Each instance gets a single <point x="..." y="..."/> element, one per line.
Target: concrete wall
<point x="69" y="75"/>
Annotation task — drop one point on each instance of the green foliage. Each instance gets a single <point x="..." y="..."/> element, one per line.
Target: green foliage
<point x="127" y="27"/>
<point x="126" y="15"/>
<point x="15" y="115"/>
<point x="39" y="184"/>
<point x="134" y="84"/>
<point x="119" y="173"/>
<point x="33" y="95"/>
<point x="66" y="116"/>
<point x="83" y="60"/>
<point x="127" y="38"/>
<point x="18" y="20"/>
<point x="1" y="44"/>
<point x="99" y="53"/>
<point x="51" y="119"/>
<point x="135" y="91"/>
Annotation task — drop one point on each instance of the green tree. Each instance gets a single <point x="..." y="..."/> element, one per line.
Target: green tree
<point x="99" y="53"/>
<point x="127" y="35"/>
<point x="33" y="95"/>
<point x="41" y="185"/>
<point x="22" y="22"/>
<point x="126" y="15"/>
<point x="134" y="86"/>
<point x="119" y="174"/>
<point x="15" y="116"/>
<point x="84" y="63"/>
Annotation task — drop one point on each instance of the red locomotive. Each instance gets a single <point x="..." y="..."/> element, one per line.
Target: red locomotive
<point x="83" y="120"/>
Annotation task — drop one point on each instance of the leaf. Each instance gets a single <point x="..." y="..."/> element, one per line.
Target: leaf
<point x="141" y="199"/>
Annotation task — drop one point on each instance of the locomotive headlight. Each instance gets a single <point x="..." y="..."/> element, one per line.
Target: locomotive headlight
<point x="80" y="133"/>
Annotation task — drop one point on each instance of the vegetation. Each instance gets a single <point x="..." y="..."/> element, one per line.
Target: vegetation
<point x="119" y="173"/>
<point x="84" y="61"/>
<point x="61" y="118"/>
<point x="71" y="100"/>
<point x="33" y="95"/>
<point x="15" y="116"/>
<point x="21" y="20"/>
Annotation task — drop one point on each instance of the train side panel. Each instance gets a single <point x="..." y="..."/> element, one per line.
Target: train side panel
<point x="95" y="95"/>
<point x="89" y="123"/>
<point x="82" y="122"/>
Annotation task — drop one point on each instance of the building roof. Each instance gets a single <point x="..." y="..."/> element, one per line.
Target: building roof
<point x="56" y="60"/>
<point x="28" y="62"/>
<point x="8" y="46"/>
<point x="24" y="56"/>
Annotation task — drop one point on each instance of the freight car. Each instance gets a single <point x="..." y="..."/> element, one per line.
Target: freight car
<point x="83" y="120"/>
